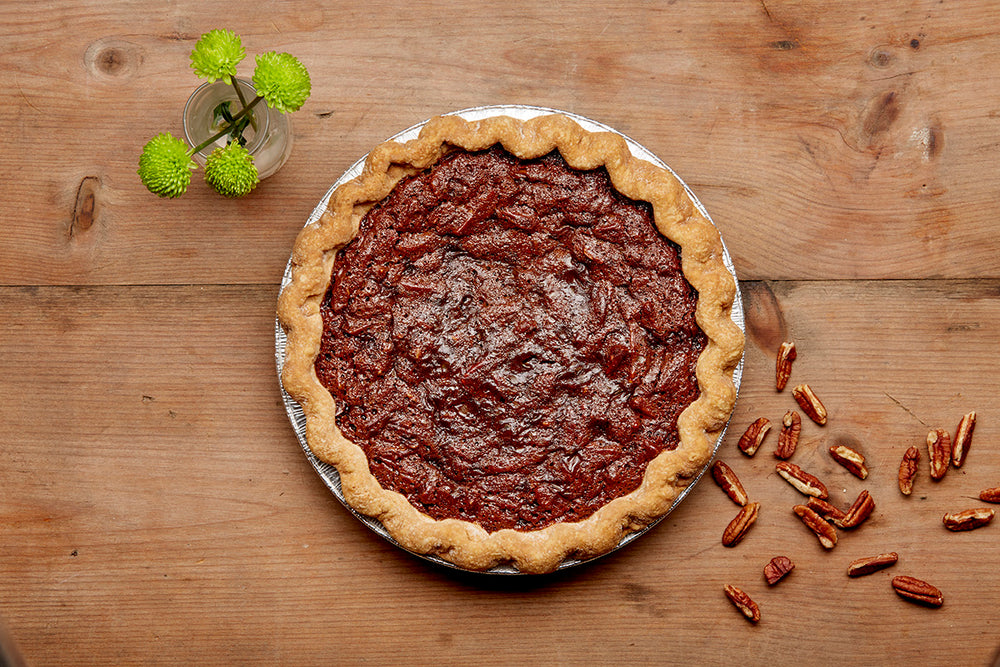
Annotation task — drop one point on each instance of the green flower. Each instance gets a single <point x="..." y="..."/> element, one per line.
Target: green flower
<point x="282" y="81"/>
<point x="231" y="171"/>
<point x="217" y="54"/>
<point x="165" y="166"/>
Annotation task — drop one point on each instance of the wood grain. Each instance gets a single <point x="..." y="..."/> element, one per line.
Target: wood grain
<point x="155" y="505"/>
<point x="859" y="138"/>
<point x="162" y="510"/>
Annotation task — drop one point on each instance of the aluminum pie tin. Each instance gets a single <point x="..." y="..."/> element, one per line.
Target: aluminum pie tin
<point x="297" y="417"/>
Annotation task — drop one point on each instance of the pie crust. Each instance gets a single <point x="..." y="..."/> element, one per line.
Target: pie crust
<point x="462" y="543"/>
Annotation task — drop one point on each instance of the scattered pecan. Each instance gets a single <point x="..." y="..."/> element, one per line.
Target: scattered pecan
<point x="730" y="483"/>
<point x="918" y="591"/>
<point x="738" y="527"/>
<point x="990" y="495"/>
<point x="754" y="436"/>
<point x="777" y="568"/>
<point x="788" y="437"/>
<point x="850" y="459"/>
<point x="969" y="519"/>
<point x="783" y="366"/>
<point x="863" y="566"/>
<point x="801" y="480"/>
<point x="810" y="403"/>
<point x="939" y="451"/>
<point x="743" y="602"/>
<point x="963" y="439"/>
<point x="825" y="533"/>
<point x="825" y="509"/>
<point x="860" y="510"/>
<point x="908" y="470"/>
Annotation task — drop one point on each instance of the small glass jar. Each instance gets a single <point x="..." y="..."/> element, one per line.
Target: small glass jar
<point x="270" y="143"/>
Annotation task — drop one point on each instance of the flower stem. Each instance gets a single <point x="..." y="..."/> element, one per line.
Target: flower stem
<point x="243" y="100"/>
<point x="224" y="131"/>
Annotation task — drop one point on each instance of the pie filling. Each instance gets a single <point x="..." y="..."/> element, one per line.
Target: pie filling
<point x="509" y="341"/>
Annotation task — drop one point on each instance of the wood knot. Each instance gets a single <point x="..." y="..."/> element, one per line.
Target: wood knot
<point x="86" y="206"/>
<point x="930" y="141"/>
<point x="935" y="141"/>
<point x="113" y="58"/>
<point x="111" y="61"/>
<point x="784" y="44"/>
<point x="879" y="58"/>
<point x="765" y="319"/>
<point x="881" y="114"/>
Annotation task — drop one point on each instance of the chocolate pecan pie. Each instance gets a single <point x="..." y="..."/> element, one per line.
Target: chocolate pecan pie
<point x="512" y="339"/>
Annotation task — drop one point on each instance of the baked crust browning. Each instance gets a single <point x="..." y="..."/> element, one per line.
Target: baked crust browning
<point x="460" y="542"/>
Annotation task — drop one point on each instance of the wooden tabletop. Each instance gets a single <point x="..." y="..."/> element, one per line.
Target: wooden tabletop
<point x="155" y="506"/>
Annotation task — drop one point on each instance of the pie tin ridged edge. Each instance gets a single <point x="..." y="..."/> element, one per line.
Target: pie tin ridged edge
<point x="328" y="473"/>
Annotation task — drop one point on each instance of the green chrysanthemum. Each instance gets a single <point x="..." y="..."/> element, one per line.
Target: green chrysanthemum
<point x="165" y="166"/>
<point x="282" y="81"/>
<point x="231" y="171"/>
<point x="217" y="54"/>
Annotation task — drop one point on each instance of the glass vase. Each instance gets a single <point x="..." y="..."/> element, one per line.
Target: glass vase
<point x="270" y="143"/>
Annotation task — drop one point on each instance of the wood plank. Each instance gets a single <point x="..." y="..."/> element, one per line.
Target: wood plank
<point x="156" y="507"/>
<point x="850" y="143"/>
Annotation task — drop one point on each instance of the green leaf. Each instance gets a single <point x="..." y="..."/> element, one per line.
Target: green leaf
<point x="236" y="134"/>
<point x="222" y="115"/>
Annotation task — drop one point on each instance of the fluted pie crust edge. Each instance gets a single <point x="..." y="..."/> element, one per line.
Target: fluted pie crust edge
<point x="459" y="542"/>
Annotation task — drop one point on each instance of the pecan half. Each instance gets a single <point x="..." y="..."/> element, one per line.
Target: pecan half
<point x="743" y="602"/>
<point x="963" y="439"/>
<point x="850" y="459"/>
<point x="738" y="527"/>
<point x="825" y="533"/>
<point x="777" y="568"/>
<point x="915" y="590"/>
<point x="754" y="436"/>
<point x="810" y="403"/>
<point x="863" y="566"/>
<point x="860" y="510"/>
<point x="729" y="482"/>
<point x="908" y="470"/>
<point x="939" y="451"/>
<point x="783" y="366"/>
<point x="788" y="437"/>
<point x="825" y="509"/>
<point x="969" y="519"/>
<point x="990" y="495"/>
<point x="801" y="480"/>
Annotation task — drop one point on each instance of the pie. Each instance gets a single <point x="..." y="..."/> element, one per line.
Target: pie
<point x="512" y="339"/>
